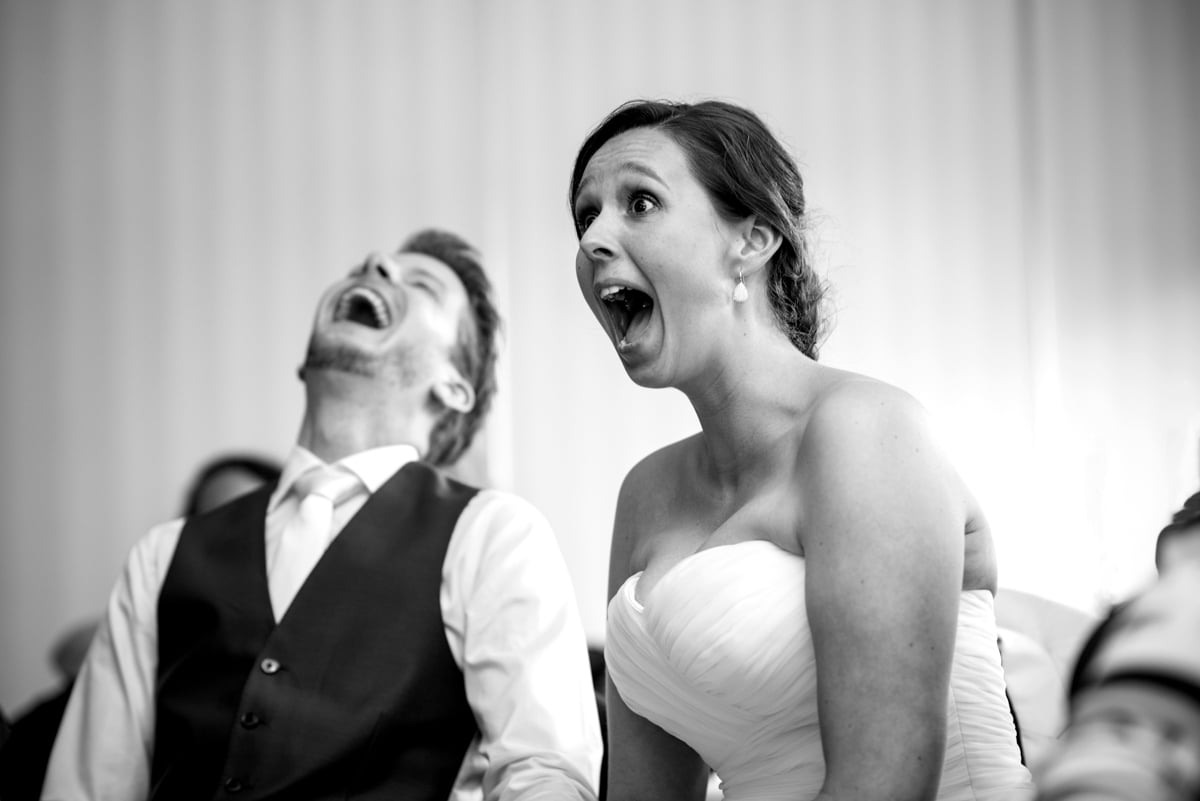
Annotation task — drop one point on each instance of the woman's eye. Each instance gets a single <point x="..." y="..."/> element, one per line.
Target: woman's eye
<point x="642" y="204"/>
<point x="584" y="219"/>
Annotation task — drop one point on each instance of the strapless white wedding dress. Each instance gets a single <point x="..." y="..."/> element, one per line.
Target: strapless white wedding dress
<point x="720" y="655"/>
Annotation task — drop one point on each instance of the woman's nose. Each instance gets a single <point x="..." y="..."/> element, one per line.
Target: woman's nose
<point x="597" y="240"/>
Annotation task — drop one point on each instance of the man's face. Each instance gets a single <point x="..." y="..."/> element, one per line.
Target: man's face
<point x="396" y="318"/>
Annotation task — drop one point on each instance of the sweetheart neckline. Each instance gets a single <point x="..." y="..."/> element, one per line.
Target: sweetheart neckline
<point x="629" y="588"/>
<point x="635" y="579"/>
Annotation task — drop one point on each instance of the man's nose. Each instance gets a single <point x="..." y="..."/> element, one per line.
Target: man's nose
<point x="378" y="263"/>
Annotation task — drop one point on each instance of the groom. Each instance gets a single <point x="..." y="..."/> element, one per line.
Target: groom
<point x="367" y="627"/>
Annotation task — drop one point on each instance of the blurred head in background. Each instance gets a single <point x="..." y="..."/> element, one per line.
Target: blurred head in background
<point x="1179" y="541"/>
<point x="226" y="477"/>
<point x="1134" y="732"/>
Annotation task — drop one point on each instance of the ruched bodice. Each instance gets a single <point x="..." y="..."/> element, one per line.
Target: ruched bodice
<point x="720" y="655"/>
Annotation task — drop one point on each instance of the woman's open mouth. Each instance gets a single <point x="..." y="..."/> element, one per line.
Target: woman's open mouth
<point x="628" y="310"/>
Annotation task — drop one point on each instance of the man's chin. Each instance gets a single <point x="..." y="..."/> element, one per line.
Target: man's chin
<point x="336" y="360"/>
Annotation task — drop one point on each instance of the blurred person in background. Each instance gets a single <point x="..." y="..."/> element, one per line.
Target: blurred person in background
<point x="228" y="476"/>
<point x="368" y="627"/>
<point x="1179" y="541"/>
<point x="801" y="595"/>
<point x="1134" y="732"/>
<point x="23" y="761"/>
<point x="23" y="764"/>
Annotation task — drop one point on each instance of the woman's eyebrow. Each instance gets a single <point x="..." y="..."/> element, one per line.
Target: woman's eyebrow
<point x="636" y="167"/>
<point x="641" y="169"/>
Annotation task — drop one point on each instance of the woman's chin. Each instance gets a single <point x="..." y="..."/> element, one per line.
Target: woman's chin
<point x="641" y="352"/>
<point x="645" y="372"/>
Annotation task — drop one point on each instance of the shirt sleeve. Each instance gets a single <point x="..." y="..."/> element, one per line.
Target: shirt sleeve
<point x="102" y="752"/>
<point x="513" y="625"/>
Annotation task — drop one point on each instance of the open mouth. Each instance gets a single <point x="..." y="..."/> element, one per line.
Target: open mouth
<point x="628" y="309"/>
<point x="364" y="306"/>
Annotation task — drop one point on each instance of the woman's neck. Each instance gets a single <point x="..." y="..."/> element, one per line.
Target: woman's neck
<point x="750" y="406"/>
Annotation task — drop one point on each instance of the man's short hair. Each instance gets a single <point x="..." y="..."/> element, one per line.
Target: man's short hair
<point x="475" y="354"/>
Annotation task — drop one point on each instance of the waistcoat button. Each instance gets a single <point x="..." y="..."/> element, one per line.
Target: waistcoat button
<point x="269" y="666"/>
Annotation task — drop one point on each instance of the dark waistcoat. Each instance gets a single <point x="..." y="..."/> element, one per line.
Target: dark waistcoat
<point x="354" y="694"/>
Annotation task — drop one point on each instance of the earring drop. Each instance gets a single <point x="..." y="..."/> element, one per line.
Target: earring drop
<point x="739" y="291"/>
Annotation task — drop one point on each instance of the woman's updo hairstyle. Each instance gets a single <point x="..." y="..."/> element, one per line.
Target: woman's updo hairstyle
<point x="745" y="171"/>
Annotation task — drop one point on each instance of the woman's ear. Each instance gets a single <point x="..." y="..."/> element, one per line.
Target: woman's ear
<point x="759" y="243"/>
<point x="455" y="392"/>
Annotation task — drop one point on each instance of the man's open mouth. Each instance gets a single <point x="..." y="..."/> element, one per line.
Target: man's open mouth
<point x="364" y="306"/>
<point x="629" y="310"/>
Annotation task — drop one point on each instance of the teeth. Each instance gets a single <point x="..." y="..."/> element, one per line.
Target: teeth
<point x="378" y="307"/>
<point x="611" y="291"/>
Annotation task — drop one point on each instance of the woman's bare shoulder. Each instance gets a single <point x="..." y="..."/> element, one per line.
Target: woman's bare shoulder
<point x="646" y="504"/>
<point x="658" y="470"/>
<point x="849" y="387"/>
<point x="852" y="406"/>
<point x="870" y="445"/>
<point x="873" y="446"/>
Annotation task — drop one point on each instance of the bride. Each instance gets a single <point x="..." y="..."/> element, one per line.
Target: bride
<point x="801" y="593"/>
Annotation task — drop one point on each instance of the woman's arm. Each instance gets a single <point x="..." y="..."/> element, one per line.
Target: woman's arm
<point x="645" y="763"/>
<point x="882" y="534"/>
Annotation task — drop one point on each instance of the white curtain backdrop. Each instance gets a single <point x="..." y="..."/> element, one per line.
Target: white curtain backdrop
<point x="1005" y="198"/>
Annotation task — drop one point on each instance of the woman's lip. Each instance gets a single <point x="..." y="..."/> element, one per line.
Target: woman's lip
<point x="627" y="344"/>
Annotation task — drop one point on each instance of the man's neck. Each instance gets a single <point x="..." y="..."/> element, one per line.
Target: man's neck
<point x="334" y="428"/>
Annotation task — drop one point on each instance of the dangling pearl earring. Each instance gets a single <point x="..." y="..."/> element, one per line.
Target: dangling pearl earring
<point x="739" y="290"/>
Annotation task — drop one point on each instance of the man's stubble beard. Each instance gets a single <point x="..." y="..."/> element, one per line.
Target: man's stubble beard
<point x="401" y="368"/>
<point x="337" y="357"/>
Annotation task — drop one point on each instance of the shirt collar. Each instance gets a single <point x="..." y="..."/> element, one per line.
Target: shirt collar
<point x="373" y="467"/>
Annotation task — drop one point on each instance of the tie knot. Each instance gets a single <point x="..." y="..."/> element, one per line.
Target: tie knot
<point x="333" y="483"/>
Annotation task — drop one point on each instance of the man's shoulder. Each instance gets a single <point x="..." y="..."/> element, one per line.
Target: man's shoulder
<point x="449" y="478"/>
<point x="505" y="506"/>
<point x="157" y="545"/>
<point x="504" y="532"/>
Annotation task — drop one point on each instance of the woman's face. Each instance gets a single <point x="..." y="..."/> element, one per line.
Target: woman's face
<point x="655" y="260"/>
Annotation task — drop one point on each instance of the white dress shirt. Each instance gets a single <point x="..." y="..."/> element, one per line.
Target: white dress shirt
<point x="511" y="622"/>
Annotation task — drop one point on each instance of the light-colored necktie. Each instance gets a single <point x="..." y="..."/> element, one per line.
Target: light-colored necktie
<point x="308" y="533"/>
